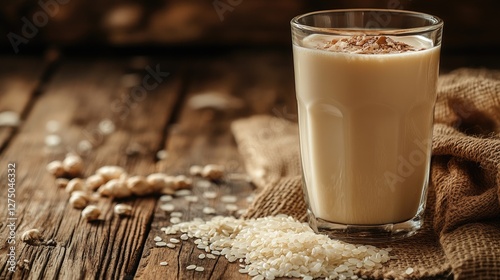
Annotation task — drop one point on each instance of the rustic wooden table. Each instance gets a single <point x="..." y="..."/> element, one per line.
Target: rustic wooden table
<point x="178" y="103"/>
<point x="150" y="101"/>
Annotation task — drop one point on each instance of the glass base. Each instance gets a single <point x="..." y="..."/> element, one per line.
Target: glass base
<point x="366" y="233"/>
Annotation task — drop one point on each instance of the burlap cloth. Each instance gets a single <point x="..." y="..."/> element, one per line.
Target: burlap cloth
<point x="461" y="234"/>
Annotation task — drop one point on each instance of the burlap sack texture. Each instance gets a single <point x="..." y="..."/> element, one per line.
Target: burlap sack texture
<point x="461" y="234"/>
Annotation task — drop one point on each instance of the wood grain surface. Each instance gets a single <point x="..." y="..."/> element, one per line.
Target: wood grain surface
<point x="155" y="105"/>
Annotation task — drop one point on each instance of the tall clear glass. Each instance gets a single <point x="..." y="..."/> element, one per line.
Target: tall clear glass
<point x="365" y="83"/>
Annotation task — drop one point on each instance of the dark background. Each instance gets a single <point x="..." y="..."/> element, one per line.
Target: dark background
<point x="471" y="32"/>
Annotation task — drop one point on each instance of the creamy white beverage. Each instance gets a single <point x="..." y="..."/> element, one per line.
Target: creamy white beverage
<point x="365" y="117"/>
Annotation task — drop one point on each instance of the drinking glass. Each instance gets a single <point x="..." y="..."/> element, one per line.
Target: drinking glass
<point x="365" y="82"/>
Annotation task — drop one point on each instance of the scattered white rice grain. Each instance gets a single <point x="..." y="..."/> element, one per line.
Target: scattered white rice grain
<point x="161" y="244"/>
<point x="170" y="245"/>
<point x="208" y="210"/>
<point x="191" y="198"/>
<point x="84" y="147"/>
<point x="203" y="184"/>
<point x="191" y="267"/>
<point x="195" y="170"/>
<point x="243" y="271"/>
<point x="409" y="270"/>
<point x="106" y="126"/>
<point x="228" y="199"/>
<point x="163" y="263"/>
<point x="199" y="268"/>
<point x="183" y="192"/>
<point x="176" y="214"/>
<point x="280" y="246"/>
<point x="52" y="126"/>
<point x="258" y="277"/>
<point x="210" y="194"/>
<point x="174" y="240"/>
<point x="161" y="154"/>
<point x="167" y="207"/>
<point x="232" y="207"/>
<point x="184" y="237"/>
<point x="9" y="118"/>
<point x="201" y="256"/>
<point x="53" y="140"/>
<point x="157" y="239"/>
<point x="175" y="220"/>
<point x="166" y="198"/>
<point x="369" y="263"/>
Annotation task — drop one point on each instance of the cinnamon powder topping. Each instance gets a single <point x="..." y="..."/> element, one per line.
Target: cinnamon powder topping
<point x="363" y="44"/>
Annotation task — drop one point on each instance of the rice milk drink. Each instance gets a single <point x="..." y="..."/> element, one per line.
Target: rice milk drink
<point x="365" y="116"/>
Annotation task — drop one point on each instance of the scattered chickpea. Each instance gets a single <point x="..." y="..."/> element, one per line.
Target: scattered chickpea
<point x="139" y="186"/>
<point x="109" y="172"/>
<point x="123" y="209"/>
<point x="170" y="188"/>
<point x="73" y="165"/>
<point x="157" y="181"/>
<point x="79" y="199"/>
<point x="56" y="168"/>
<point x="161" y="183"/>
<point x="93" y="182"/>
<point x="182" y="182"/>
<point x="195" y="170"/>
<point x="32" y="237"/>
<point x="115" y="188"/>
<point x="91" y="213"/>
<point x="167" y="190"/>
<point x="213" y="172"/>
<point x="61" y="182"/>
<point x="75" y="184"/>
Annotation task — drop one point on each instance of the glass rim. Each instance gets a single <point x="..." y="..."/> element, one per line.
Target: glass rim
<point x="435" y="23"/>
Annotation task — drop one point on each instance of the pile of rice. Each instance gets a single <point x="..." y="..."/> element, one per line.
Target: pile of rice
<point x="280" y="246"/>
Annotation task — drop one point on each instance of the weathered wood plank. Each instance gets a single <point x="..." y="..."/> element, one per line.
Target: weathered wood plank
<point x="80" y="95"/>
<point x="259" y="83"/>
<point x="19" y="77"/>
